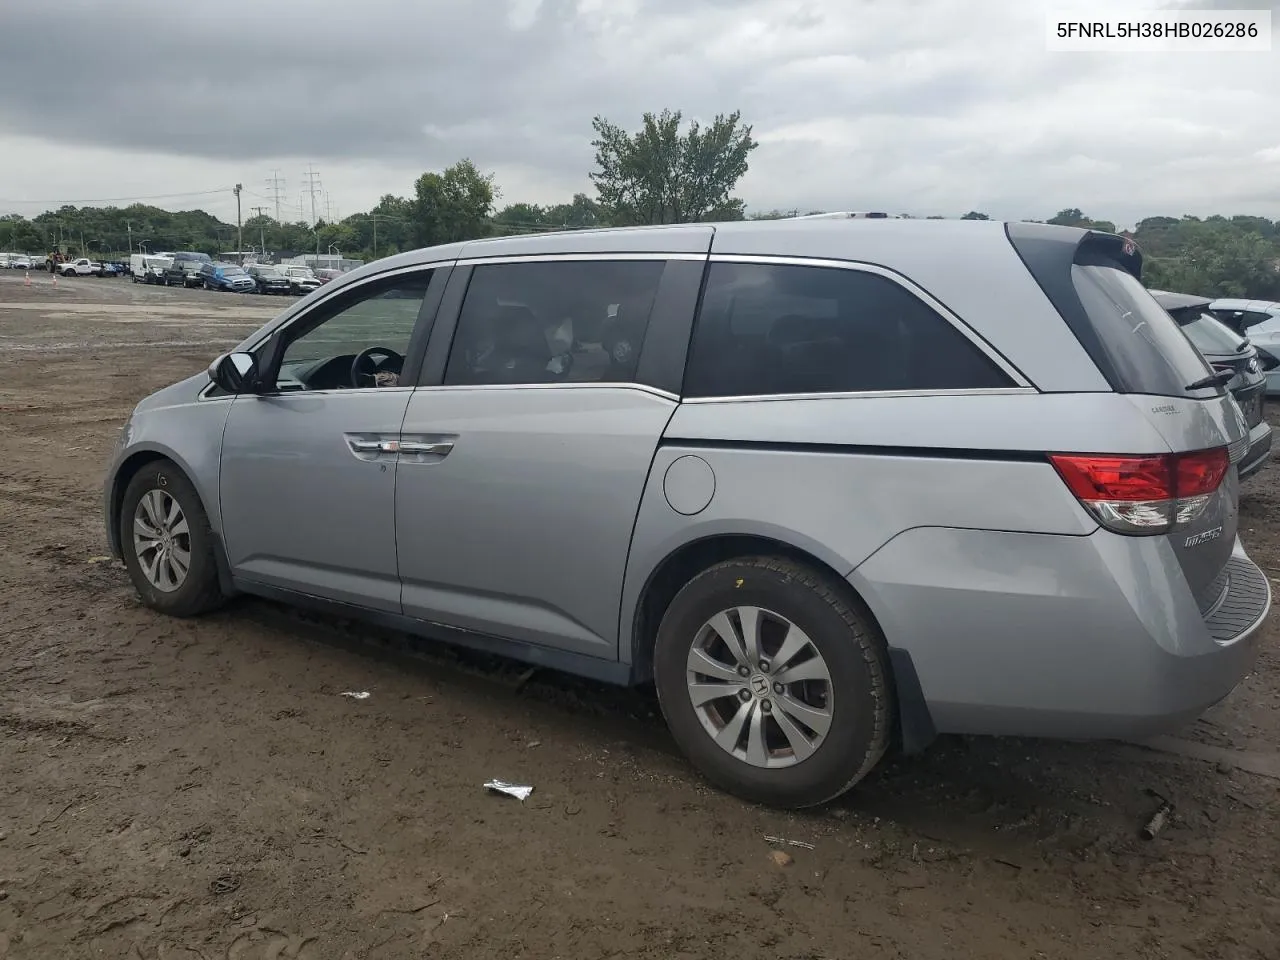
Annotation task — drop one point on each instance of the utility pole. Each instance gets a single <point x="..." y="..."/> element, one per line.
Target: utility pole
<point x="239" y="227"/>
<point x="129" y="226"/>
<point x="262" y="229"/>
<point x="276" y="186"/>
<point x="313" y="187"/>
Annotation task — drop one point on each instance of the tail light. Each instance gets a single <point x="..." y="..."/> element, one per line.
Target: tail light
<point x="1144" y="494"/>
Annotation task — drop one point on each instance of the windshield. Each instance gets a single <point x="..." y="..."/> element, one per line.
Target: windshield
<point x="1149" y="351"/>
<point x="232" y="272"/>
<point x="1209" y="334"/>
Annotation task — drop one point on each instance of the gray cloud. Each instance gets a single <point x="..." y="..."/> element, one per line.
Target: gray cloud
<point x="916" y="106"/>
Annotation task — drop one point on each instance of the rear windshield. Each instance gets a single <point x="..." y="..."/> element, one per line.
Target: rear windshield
<point x="1144" y="344"/>
<point x="1208" y="333"/>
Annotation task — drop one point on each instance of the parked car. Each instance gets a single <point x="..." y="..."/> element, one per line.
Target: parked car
<point x="301" y="278"/>
<point x="184" y="269"/>
<point x="149" y="267"/>
<point x="324" y="274"/>
<point x="1236" y="360"/>
<point x="226" y="277"/>
<point x="268" y="279"/>
<point x="861" y="479"/>
<point x="82" y="267"/>
<point x="108" y="268"/>
<point x="21" y="262"/>
<point x="1259" y="320"/>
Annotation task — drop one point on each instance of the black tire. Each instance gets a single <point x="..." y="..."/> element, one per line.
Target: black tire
<point x="200" y="592"/>
<point x="823" y="607"/>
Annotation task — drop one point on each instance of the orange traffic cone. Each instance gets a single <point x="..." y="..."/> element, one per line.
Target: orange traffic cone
<point x="55" y="279"/>
<point x="27" y="282"/>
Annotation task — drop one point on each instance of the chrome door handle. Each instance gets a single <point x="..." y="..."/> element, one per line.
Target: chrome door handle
<point x="372" y="448"/>
<point x="439" y="449"/>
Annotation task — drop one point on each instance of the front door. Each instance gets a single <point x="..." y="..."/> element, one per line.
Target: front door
<point x="309" y="470"/>
<point x="521" y="473"/>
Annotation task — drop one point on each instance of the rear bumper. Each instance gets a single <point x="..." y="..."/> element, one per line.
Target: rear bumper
<point x="1088" y="637"/>
<point x="1259" y="450"/>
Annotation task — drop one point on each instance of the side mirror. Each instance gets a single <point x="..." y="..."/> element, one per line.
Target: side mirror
<point x="235" y="372"/>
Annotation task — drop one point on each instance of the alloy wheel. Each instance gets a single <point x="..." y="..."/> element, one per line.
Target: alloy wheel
<point x="760" y="687"/>
<point x="162" y="540"/>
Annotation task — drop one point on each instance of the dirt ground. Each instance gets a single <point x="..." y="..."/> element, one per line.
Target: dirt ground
<point x="174" y="789"/>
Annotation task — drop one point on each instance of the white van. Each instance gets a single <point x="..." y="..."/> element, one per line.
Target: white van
<point x="148" y="267"/>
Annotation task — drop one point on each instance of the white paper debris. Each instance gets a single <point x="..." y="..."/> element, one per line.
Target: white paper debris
<point x="790" y="843"/>
<point x="516" y="790"/>
<point x="356" y="694"/>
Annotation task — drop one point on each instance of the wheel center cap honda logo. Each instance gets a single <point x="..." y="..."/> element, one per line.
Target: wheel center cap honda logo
<point x="759" y="685"/>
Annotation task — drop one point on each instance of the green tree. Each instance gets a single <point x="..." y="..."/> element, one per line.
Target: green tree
<point x="659" y="176"/>
<point x="1073" y="217"/>
<point x="1070" y="217"/>
<point x="975" y="215"/>
<point x="453" y="205"/>
<point x="18" y="235"/>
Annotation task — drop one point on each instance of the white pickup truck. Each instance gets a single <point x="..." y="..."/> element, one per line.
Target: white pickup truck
<point x="302" y="279"/>
<point x="84" y="267"/>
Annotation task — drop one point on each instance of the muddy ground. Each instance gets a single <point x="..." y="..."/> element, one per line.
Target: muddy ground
<point x="174" y="789"/>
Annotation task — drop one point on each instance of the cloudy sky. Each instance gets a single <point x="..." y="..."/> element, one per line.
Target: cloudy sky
<point x="910" y="106"/>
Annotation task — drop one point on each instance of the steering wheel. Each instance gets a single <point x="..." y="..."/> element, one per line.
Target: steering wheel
<point x="365" y="366"/>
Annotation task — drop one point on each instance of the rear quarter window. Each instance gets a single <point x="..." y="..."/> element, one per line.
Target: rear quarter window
<point x="771" y="329"/>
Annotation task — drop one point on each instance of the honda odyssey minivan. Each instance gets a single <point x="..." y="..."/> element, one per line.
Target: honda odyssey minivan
<point x="830" y="484"/>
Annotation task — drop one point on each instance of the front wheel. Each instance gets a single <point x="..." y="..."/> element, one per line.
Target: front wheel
<point x="167" y="542"/>
<point x="773" y="683"/>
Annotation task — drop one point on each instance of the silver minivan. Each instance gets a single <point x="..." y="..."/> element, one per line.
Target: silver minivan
<point x="831" y="484"/>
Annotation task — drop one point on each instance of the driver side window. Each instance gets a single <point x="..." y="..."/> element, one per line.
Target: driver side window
<point x="357" y="342"/>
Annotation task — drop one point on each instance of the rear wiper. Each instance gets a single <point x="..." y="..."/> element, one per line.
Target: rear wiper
<point x="1219" y="379"/>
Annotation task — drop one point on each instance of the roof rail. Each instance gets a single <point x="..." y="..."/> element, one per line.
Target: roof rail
<point x="850" y="215"/>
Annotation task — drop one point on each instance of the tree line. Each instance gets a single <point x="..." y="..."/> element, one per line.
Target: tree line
<point x="664" y="172"/>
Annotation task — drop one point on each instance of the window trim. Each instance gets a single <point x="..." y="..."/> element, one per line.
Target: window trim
<point x="423" y="326"/>
<point x="1021" y="384"/>
<point x="477" y="261"/>
<point x="572" y="385"/>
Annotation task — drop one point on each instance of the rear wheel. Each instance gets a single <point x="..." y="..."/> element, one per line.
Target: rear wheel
<point x="167" y="542"/>
<point x="772" y="682"/>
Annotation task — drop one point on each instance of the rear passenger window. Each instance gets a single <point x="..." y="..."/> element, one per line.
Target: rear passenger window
<point x="768" y="329"/>
<point x="568" y="321"/>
